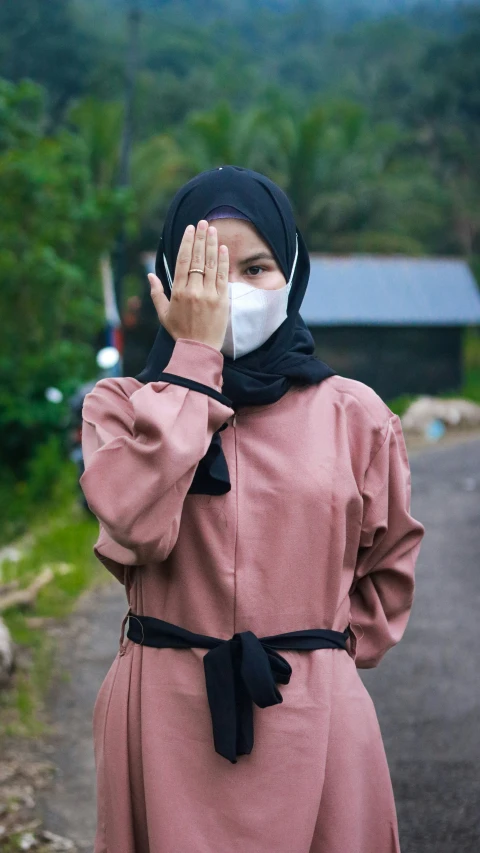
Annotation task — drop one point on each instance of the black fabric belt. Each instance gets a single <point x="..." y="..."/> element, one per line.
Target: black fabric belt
<point x="195" y="386"/>
<point x="238" y="671"/>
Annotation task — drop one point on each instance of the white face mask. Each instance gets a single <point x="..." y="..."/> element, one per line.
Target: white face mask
<point x="254" y="313"/>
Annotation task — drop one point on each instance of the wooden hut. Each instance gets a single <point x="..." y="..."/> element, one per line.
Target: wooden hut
<point x="393" y="322"/>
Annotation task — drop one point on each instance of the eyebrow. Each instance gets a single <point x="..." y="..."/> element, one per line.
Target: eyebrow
<point x="259" y="256"/>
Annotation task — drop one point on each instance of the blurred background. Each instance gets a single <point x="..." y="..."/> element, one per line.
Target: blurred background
<point x="366" y="112"/>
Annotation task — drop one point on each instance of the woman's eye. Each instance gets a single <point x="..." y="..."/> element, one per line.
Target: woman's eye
<point x="254" y="268"/>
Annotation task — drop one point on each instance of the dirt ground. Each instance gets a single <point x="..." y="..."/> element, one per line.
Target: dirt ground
<point x="42" y="778"/>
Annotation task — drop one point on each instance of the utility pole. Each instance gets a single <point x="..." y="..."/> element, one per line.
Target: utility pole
<point x="120" y="263"/>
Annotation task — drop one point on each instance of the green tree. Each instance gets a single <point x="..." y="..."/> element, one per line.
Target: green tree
<point x="42" y="41"/>
<point x="157" y="162"/>
<point x="437" y="101"/>
<point x="337" y="169"/>
<point x="54" y="225"/>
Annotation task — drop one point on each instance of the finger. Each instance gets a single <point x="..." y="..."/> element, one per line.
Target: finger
<point x="184" y="258"/>
<point x="195" y="279"/>
<point x="158" y="296"/>
<point x="211" y="259"/>
<point x="222" y="270"/>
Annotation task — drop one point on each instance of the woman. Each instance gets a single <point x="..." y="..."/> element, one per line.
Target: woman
<point x="256" y="505"/>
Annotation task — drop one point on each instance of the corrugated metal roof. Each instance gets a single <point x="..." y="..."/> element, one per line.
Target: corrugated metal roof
<point x="393" y="290"/>
<point x="386" y="290"/>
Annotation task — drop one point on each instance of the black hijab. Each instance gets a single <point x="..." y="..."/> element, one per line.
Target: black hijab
<point x="287" y="358"/>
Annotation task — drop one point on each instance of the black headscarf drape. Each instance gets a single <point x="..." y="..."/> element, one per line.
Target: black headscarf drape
<point x="287" y="357"/>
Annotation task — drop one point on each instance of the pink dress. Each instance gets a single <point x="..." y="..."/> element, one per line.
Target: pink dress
<point x="316" y="532"/>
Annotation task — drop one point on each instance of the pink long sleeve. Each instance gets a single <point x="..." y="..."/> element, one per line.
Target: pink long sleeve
<point x="383" y="588"/>
<point x="141" y="446"/>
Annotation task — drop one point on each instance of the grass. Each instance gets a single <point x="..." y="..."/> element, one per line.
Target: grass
<point x="64" y="543"/>
<point x="471" y="385"/>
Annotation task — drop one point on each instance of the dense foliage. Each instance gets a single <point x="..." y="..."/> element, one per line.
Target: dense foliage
<point x="54" y="223"/>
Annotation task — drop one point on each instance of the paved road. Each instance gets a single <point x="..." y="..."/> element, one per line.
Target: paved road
<point x="88" y="648"/>
<point x="426" y="689"/>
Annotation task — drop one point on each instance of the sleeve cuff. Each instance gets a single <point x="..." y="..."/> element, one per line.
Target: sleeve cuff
<point x="197" y="361"/>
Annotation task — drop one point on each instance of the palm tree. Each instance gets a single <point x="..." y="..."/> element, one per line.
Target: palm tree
<point x="338" y="170"/>
<point x="341" y="173"/>
<point x="156" y="163"/>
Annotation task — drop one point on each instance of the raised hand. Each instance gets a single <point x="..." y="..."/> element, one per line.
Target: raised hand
<point x="198" y="307"/>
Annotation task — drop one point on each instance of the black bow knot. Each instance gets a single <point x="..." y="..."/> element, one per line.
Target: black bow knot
<point x="238" y="672"/>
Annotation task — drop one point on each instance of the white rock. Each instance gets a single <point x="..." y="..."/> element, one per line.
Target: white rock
<point x="457" y="412"/>
<point x="10" y="553"/>
<point x="7" y="654"/>
<point x="58" y="842"/>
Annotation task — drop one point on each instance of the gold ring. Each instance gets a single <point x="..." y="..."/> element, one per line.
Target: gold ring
<point x="196" y="270"/>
